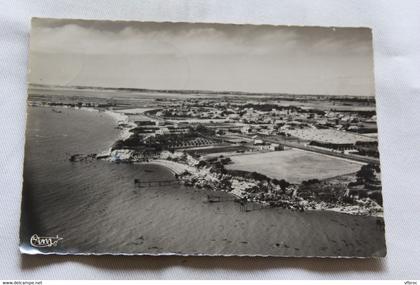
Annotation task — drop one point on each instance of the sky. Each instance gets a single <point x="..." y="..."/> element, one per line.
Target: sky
<point x="197" y="56"/>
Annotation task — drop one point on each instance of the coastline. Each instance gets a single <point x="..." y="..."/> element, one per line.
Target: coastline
<point x="121" y="119"/>
<point x="125" y="125"/>
<point x="174" y="167"/>
<point x="186" y="222"/>
<point x="178" y="168"/>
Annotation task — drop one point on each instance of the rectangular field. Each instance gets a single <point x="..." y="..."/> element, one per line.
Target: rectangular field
<point x="294" y="165"/>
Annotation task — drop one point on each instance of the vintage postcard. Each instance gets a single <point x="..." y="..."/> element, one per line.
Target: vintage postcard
<point x="201" y="139"/>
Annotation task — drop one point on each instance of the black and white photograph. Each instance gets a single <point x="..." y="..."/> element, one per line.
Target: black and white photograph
<point x="174" y="138"/>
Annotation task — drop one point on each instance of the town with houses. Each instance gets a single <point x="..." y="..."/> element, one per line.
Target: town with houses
<point x="302" y="152"/>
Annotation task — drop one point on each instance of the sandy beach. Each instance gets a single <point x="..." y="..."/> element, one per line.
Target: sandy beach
<point x="174" y="167"/>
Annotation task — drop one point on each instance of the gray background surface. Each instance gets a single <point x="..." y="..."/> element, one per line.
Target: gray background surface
<point x="396" y="29"/>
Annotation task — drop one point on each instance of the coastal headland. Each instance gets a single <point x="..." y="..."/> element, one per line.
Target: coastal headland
<point x="205" y="150"/>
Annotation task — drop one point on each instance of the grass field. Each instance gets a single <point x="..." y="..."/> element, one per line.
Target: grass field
<point x="294" y="165"/>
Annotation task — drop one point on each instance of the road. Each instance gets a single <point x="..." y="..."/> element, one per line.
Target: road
<point x="324" y="151"/>
<point x="317" y="150"/>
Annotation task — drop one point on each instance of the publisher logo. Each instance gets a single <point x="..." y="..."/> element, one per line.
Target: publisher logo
<point x="37" y="241"/>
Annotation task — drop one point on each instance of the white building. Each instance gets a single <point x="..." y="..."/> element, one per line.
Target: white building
<point x="163" y="131"/>
<point x="276" y="146"/>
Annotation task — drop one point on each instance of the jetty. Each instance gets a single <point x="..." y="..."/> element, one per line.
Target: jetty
<point x="154" y="183"/>
<point x="82" y="157"/>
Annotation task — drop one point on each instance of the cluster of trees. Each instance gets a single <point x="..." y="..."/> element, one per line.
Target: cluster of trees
<point x="169" y="139"/>
<point x="216" y="164"/>
<point x="369" y="151"/>
<point x="268" y="107"/>
<point x="314" y="189"/>
<point x="182" y="158"/>
<point x="367" y="183"/>
<point x="161" y="142"/>
<point x="135" y="141"/>
<point x="366" y="174"/>
<point x="203" y="130"/>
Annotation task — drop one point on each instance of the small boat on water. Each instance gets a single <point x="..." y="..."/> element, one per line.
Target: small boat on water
<point x="56" y="111"/>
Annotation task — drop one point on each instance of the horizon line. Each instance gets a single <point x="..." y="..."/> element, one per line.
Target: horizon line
<point x="191" y="91"/>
